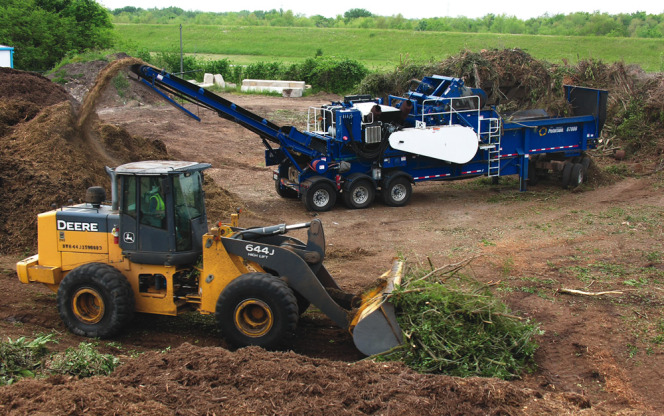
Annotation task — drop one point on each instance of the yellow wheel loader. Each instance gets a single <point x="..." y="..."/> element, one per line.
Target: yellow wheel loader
<point x="151" y="251"/>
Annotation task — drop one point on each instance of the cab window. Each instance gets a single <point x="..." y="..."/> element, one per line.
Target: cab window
<point x="153" y="202"/>
<point x="129" y="196"/>
<point x="188" y="197"/>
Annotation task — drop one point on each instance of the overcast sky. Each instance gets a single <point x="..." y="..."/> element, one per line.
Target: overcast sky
<point x="418" y="9"/>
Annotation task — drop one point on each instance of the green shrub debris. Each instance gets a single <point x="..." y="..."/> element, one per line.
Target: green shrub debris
<point x="22" y="358"/>
<point x="83" y="361"/>
<point x="454" y="325"/>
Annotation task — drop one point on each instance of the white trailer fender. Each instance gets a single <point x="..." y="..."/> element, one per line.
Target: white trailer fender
<point x="452" y="143"/>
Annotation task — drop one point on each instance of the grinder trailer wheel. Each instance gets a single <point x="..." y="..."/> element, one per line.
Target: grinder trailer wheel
<point x="95" y="300"/>
<point x="257" y="309"/>
<point x="397" y="192"/>
<point x="320" y="197"/>
<point x="577" y="175"/>
<point x="360" y="194"/>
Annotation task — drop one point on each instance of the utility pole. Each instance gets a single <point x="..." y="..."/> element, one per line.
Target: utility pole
<point x="181" y="56"/>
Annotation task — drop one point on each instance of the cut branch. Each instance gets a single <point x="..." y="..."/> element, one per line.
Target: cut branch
<point x="582" y="293"/>
<point x="448" y="269"/>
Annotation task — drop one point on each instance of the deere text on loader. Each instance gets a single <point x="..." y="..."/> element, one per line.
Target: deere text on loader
<point x="150" y="251"/>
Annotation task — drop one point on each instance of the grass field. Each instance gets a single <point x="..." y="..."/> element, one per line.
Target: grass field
<point x="378" y="49"/>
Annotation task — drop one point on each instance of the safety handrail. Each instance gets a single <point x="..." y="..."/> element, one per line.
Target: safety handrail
<point x="319" y="122"/>
<point x="452" y="111"/>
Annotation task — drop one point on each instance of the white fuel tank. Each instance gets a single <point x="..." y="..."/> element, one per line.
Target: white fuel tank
<point x="455" y="144"/>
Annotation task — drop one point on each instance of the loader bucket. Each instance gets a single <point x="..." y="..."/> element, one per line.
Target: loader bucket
<point x="374" y="327"/>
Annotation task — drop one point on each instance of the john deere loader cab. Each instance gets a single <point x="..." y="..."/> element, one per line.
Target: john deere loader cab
<point x="162" y="212"/>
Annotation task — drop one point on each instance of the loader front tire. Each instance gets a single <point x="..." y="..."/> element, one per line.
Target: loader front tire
<point x="95" y="300"/>
<point x="257" y="309"/>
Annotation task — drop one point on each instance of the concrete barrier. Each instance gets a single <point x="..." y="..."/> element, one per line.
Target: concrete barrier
<point x="219" y="80"/>
<point x="286" y="88"/>
<point x="210" y="80"/>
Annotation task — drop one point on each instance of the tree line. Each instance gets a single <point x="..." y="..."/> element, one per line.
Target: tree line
<point x="637" y="24"/>
<point x="42" y="32"/>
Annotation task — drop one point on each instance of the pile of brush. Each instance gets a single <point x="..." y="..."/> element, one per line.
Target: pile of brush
<point x="454" y="325"/>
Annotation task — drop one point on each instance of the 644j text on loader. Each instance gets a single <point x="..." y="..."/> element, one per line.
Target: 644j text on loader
<point x="143" y="252"/>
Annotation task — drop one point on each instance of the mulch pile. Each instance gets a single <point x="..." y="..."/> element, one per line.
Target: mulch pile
<point x="191" y="380"/>
<point x="52" y="149"/>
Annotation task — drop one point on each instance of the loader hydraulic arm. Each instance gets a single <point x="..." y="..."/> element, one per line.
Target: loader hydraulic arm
<point x="268" y="231"/>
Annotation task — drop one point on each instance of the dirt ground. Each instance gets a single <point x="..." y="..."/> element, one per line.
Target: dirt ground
<point x="598" y="354"/>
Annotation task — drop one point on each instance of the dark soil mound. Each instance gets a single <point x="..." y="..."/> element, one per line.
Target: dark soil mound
<point x="30" y="87"/>
<point x="48" y="160"/>
<point x="79" y="77"/>
<point x="194" y="381"/>
<point x="51" y="152"/>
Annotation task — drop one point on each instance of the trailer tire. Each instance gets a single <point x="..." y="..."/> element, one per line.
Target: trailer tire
<point x="397" y="191"/>
<point x="284" y="191"/>
<point x="95" y="300"/>
<point x="321" y="196"/>
<point x="360" y="194"/>
<point x="585" y="162"/>
<point x="567" y="173"/>
<point x="577" y="175"/>
<point x="257" y="309"/>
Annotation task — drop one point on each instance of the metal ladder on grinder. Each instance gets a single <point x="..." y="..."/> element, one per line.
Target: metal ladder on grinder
<point x="493" y="147"/>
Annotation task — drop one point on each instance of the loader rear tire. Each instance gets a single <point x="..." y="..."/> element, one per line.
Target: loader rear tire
<point x="95" y="300"/>
<point x="257" y="309"/>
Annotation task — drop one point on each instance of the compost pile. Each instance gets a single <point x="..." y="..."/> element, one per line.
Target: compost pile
<point x="52" y="150"/>
<point x="190" y="380"/>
